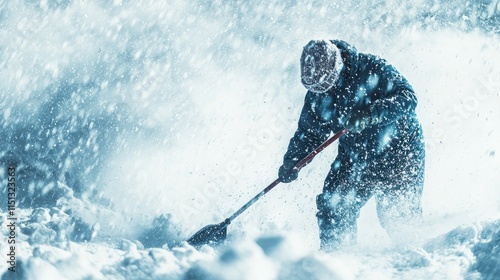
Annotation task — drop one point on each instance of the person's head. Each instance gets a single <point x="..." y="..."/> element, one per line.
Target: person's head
<point x="320" y="65"/>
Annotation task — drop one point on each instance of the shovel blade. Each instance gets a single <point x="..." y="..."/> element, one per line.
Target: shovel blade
<point x="211" y="234"/>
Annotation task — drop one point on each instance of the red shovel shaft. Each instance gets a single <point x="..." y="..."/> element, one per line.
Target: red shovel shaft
<point x="299" y="165"/>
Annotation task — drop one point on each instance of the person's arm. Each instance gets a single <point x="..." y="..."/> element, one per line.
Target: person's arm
<point x="311" y="132"/>
<point x="399" y="98"/>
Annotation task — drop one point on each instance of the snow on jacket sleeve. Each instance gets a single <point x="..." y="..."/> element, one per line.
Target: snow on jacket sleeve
<point x="311" y="132"/>
<point x="398" y="98"/>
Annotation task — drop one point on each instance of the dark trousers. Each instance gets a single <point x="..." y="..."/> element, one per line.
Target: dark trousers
<point x="396" y="180"/>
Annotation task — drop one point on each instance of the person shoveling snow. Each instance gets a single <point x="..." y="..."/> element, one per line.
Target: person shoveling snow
<point x="383" y="155"/>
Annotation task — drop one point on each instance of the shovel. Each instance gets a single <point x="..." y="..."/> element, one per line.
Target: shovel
<point x="215" y="234"/>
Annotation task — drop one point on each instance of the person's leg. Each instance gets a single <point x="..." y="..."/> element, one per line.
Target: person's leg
<point x="339" y="206"/>
<point x="399" y="197"/>
<point x="399" y="210"/>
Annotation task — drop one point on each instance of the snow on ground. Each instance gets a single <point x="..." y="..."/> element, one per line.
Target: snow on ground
<point x="133" y="124"/>
<point x="465" y="252"/>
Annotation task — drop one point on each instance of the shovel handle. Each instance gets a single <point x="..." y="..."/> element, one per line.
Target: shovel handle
<point x="299" y="165"/>
<point x="320" y="148"/>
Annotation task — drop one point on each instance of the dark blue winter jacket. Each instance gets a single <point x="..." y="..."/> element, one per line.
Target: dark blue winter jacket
<point x="366" y="82"/>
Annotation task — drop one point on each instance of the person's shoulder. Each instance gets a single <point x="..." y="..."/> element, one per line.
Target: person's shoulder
<point x="311" y="96"/>
<point x="312" y="99"/>
<point x="374" y="62"/>
<point x="373" y="59"/>
<point x="344" y="46"/>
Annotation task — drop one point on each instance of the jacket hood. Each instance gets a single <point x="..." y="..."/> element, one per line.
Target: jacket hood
<point x="349" y="54"/>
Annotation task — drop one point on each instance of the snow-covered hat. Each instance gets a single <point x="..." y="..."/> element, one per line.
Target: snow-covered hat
<point x="320" y="65"/>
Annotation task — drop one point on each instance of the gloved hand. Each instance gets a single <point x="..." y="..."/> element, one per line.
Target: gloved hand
<point x="285" y="173"/>
<point x="359" y="120"/>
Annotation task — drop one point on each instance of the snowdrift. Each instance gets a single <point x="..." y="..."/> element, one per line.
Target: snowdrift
<point x="54" y="247"/>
